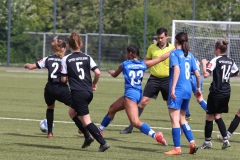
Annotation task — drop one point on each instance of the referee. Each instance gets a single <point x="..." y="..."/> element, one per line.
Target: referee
<point x="159" y="77"/>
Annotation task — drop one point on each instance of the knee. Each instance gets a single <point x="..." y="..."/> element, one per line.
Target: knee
<point x="238" y="113"/>
<point x="143" y="102"/>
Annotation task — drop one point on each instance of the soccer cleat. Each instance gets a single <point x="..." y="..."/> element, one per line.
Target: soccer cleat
<point x="103" y="147"/>
<point x="206" y="145"/>
<point x="50" y="136"/>
<point x="160" y="139"/>
<point x="175" y="151"/>
<point x="226" y="144"/>
<point x="127" y="130"/>
<point x="193" y="148"/>
<point x="87" y="142"/>
<point x="188" y="118"/>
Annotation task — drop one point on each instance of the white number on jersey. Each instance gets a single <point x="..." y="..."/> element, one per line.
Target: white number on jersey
<point x="79" y="69"/>
<point x="225" y="73"/>
<point x="187" y="68"/>
<point x="56" y="65"/>
<point x="132" y="75"/>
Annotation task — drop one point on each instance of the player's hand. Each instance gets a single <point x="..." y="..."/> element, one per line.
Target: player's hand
<point x="94" y="87"/>
<point x="198" y="94"/>
<point x="111" y="71"/>
<point x="204" y="61"/>
<point x="173" y="94"/>
<point x="26" y="65"/>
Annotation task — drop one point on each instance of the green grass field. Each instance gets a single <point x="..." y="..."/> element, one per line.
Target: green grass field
<point x="23" y="107"/>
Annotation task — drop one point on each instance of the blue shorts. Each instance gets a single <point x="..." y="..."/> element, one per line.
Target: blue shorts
<point x="178" y="103"/>
<point x="133" y="94"/>
<point x="194" y="83"/>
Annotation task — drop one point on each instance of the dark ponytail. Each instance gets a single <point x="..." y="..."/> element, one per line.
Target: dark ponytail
<point x="182" y="39"/>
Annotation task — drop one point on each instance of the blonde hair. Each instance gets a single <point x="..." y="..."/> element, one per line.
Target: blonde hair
<point x="57" y="45"/>
<point x="75" y="41"/>
<point x="221" y="45"/>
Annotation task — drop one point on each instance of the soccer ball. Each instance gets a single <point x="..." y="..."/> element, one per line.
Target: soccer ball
<point x="43" y="125"/>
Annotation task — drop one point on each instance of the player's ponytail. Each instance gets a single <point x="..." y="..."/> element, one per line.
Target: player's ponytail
<point x="75" y="41"/>
<point x="134" y="50"/>
<point x="57" y="45"/>
<point x="222" y="45"/>
<point x="182" y="40"/>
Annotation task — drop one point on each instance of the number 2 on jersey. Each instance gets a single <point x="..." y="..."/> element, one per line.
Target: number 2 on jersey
<point x="133" y="75"/>
<point x="80" y="70"/>
<point x="55" y="65"/>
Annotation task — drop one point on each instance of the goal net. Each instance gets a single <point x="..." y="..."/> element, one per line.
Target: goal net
<point x="202" y="36"/>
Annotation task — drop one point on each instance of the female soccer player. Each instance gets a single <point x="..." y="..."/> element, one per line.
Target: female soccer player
<point x="182" y="63"/>
<point x="76" y="69"/>
<point x="223" y="68"/>
<point x="55" y="89"/>
<point x="133" y="72"/>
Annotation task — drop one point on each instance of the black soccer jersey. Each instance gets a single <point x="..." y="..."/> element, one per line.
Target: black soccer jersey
<point x="222" y="67"/>
<point x="77" y="67"/>
<point x="53" y="64"/>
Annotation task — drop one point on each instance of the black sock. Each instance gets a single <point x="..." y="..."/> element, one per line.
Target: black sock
<point x="81" y="127"/>
<point x="49" y="116"/>
<point x="95" y="133"/>
<point x="234" y="124"/>
<point x="140" y="110"/>
<point x="208" y="130"/>
<point x="221" y="127"/>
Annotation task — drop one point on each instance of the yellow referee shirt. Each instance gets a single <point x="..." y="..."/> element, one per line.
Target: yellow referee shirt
<point x="160" y="70"/>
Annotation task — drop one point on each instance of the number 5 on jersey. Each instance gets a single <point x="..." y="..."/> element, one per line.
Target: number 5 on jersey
<point x="80" y="70"/>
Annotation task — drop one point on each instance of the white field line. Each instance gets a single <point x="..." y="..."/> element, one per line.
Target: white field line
<point x="112" y="125"/>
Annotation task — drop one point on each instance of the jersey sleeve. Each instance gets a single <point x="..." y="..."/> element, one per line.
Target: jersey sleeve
<point x="173" y="59"/>
<point x="64" y="66"/>
<point x="41" y="63"/>
<point x="234" y="69"/>
<point x="194" y="64"/>
<point x="212" y="65"/>
<point x="93" y="65"/>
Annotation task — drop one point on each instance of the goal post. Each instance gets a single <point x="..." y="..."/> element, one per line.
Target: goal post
<point x="202" y="35"/>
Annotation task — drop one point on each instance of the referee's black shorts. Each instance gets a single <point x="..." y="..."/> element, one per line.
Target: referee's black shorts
<point x="57" y="91"/>
<point x="217" y="105"/>
<point x="80" y="101"/>
<point x="155" y="85"/>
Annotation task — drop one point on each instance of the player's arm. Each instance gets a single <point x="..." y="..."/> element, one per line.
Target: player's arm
<point x="176" y="73"/>
<point x="152" y="62"/>
<point x="205" y="73"/>
<point x="30" y="66"/>
<point x="97" y="74"/>
<point x="114" y="73"/>
<point x="198" y="77"/>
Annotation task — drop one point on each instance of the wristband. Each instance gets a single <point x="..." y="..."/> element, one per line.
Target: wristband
<point x="199" y="89"/>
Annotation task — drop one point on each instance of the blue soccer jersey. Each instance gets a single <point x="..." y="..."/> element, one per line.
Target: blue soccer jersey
<point x="133" y="72"/>
<point x="186" y="65"/>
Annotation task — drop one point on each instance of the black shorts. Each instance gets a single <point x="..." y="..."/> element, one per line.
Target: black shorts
<point x="57" y="91"/>
<point x="80" y="101"/>
<point x="155" y="85"/>
<point x="217" y="105"/>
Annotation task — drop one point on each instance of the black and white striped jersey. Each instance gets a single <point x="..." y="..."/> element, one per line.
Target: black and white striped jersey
<point x="53" y="64"/>
<point x="222" y="67"/>
<point x="77" y="67"/>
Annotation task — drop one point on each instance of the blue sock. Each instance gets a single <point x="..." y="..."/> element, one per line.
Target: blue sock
<point x="176" y="134"/>
<point x="187" y="112"/>
<point x="188" y="132"/>
<point x="145" y="128"/>
<point x="105" y="122"/>
<point x="203" y="104"/>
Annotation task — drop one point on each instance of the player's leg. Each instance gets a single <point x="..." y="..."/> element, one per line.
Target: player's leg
<point x="113" y="109"/>
<point x="131" y="110"/>
<point x="80" y="102"/>
<point x="50" y="101"/>
<point x="186" y="127"/>
<point x="151" y="90"/>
